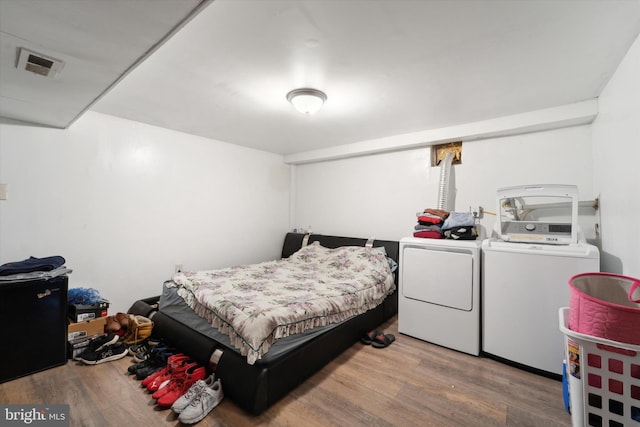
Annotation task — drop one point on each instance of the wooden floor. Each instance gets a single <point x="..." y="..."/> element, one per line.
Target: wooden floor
<point x="410" y="383"/>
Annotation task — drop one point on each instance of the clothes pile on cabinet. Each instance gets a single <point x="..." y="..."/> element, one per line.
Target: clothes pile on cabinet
<point x="441" y="224"/>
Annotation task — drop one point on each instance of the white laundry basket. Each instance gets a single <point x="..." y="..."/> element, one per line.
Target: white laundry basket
<point x="603" y="377"/>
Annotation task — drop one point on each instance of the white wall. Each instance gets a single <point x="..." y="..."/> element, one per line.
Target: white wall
<point x="379" y="195"/>
<point x="124" y="202"/>
<point x="616" y="150"/>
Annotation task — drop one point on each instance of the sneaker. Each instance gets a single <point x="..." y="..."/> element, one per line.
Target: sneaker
<point x="182" y="385"/>
<point x="138" y="348"/>
<point x="142" y="352"/>
<point x="97" y="343"/>
<point x="175" y="358"/>
<point x="138" y="330"/>
<point x="202" y="404"/>
<point x="175" y="364"/>
<point x="157" y="359"/>
<point x="184" y="400"/>
<point x="178" y="376"/>
<point x="107" y="353"/>
<point x="153" y="364"/>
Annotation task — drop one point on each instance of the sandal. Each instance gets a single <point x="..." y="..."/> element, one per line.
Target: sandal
<point x="382" y="340"/>
<point x="369" y="336"/>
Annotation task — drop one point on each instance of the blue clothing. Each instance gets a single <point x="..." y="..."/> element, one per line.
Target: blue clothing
<point x="32" y="264"/>
<point x="458" y="219"/>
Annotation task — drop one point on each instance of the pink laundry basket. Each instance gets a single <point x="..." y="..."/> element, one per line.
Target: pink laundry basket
<point x="605" y="305"/>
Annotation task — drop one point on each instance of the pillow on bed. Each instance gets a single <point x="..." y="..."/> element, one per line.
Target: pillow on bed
<point x="312" y="252"/>
<point x="315" y="252"/>
<point x="393" y="265"/>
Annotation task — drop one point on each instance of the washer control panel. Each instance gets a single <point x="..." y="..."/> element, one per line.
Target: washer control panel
<point x="545" y="232"/>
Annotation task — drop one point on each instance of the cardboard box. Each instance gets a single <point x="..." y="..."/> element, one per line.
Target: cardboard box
<point x="80" y="313"/>
<point x="86" y="329"/>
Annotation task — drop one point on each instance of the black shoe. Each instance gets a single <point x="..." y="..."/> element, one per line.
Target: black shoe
<point x="105" y="354"/>
<point x="142" y="352"/>
<point x="157" y="357"/>
<point x="97" y="343"/>
<point x="148" y="360"/>
<point x="155" y="362"/>
<point x="143" y="373"/>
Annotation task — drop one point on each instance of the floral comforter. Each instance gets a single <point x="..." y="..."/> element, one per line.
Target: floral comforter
<point x="259" y="303"/>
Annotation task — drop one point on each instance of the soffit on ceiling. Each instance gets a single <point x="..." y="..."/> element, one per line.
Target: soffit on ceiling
<point x="98" y="41"/>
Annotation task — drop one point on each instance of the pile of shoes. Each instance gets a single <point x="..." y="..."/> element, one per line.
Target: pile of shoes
<point x="149" y="358"/>
<point x="175" y="380"/>
<point x="113" y="346"/>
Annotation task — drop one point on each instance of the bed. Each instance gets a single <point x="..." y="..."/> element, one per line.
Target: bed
<point x="255" y="382"/>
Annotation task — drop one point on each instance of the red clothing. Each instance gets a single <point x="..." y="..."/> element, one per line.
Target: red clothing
<point x="429" y="219"/>
<point x="428" y="234"/>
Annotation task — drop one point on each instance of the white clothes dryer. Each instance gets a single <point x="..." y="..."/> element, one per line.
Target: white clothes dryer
<point x="439" y="292"/>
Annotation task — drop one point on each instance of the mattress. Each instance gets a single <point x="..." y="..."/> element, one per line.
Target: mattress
<point x="173" y="305"/>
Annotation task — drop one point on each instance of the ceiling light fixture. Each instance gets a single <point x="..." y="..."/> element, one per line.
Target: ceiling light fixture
<point x="307" y="100"/>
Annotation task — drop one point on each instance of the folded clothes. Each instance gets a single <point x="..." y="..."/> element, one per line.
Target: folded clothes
<point x="429" y="227"/>
<point x="437" y="212"/>
<point x="461" y="233"/>
<point x="459" y="219"/>
<point x="428" y="234"/>
<point x="429" y="219"/>
<point x="32" y="264"/>
<point x="36" y="275"/>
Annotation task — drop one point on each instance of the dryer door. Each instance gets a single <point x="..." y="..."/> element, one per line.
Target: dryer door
<point x="442" y="276"/>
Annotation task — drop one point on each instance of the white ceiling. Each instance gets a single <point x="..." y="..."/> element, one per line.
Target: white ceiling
<point x="98" y="41"/>
<point x="387" y="67"/>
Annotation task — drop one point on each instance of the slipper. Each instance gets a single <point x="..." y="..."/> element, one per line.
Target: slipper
<point x="382" y="340"/>
<point x="369" y="336"/>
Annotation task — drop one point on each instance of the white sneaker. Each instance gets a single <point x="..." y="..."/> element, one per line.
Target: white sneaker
<point x="184" y="400"/>
<point x="202" y="404"/>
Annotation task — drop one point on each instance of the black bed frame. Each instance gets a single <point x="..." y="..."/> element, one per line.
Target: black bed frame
<point x="256" y="387"/>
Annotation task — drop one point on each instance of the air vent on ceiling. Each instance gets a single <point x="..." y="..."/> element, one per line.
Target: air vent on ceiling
<point x="38" y="63"/>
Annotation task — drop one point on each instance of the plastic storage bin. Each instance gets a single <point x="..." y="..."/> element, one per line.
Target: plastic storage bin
<point x="604" y="379"/>
<point x="605" y="305"/>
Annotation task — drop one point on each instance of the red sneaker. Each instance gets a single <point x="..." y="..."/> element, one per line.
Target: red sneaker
<point x="180" y="387"/>
<point x="173" y="366"/>
<point x="176" y="375"/>
<point x="149" y="378"/>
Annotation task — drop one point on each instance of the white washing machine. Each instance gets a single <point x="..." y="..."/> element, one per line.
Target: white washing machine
<point x="439" y="292"/>
<point x="524" y="285"/>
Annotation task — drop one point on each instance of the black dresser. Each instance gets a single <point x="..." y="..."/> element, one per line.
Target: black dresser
<point x="33" y="326"/>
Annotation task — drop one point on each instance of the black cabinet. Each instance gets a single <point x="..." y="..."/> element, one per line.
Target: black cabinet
<point x="33" y="326"/>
